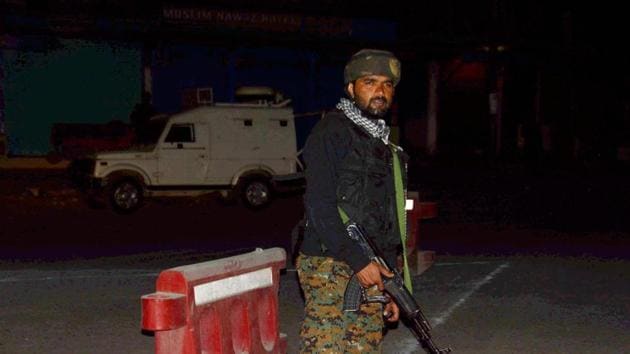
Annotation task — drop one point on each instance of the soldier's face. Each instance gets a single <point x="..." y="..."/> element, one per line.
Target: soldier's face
<point x="372" y="94"/>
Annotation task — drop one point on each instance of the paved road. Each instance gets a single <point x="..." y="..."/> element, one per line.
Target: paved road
<point x="476" y="305"/>
<point x="71" y="277"/>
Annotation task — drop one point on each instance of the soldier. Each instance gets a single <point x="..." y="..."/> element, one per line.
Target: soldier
<point x="348" y="161"/>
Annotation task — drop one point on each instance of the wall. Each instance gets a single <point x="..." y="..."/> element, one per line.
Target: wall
<point x="50" y="81"/>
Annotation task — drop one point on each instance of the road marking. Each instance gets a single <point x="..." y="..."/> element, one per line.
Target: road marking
<point x="410" y="344"/>
<point x="24" y="276"/>
<point x="435" y="322"/>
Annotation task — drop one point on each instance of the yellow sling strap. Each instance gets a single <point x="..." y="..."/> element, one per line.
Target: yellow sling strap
<point x="402" y="216"/>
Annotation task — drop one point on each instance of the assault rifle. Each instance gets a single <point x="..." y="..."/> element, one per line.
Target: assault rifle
<point x="395" y="290"/>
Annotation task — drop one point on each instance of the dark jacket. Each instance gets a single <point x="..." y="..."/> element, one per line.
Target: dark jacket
<point x="347" y="167"/>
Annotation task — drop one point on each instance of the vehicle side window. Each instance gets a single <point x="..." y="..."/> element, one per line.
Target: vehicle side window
<point x="181" y="133"/>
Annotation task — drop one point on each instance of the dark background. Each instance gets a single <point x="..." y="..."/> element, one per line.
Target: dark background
<point x="560" y="163"/>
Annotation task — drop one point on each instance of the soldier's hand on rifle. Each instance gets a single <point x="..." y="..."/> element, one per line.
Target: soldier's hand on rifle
<point x="391" y="312"/>
<point x="371" y="275"/>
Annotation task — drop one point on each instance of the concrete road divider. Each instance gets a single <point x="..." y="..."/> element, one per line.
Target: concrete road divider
<point x="229" y="305"/>
<point x="419" y="259"/>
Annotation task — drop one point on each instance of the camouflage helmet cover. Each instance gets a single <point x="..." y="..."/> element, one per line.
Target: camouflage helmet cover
<point x="372" y="62"/>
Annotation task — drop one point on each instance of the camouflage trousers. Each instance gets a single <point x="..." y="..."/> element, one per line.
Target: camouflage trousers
<point x="326" y="327"/>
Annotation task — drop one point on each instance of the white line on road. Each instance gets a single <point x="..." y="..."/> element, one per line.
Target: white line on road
<point x="446" y="314"/>
<point x="410" y="344"/>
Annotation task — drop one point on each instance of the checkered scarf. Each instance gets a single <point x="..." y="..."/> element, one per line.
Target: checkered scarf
<point x="376" y="128"/>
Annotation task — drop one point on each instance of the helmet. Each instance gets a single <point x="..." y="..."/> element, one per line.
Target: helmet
<point x="372" y="62"/>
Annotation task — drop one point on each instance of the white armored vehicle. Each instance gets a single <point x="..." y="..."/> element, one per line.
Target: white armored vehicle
<point x="239" y="149"/>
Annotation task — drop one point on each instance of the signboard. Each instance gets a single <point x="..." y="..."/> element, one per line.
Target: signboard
<point x="121" y="18"/>
<point x="258" y="21"/>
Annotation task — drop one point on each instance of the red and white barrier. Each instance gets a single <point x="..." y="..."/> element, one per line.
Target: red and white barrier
<point x="228" y="305"/>
<point x="419" y="260"/>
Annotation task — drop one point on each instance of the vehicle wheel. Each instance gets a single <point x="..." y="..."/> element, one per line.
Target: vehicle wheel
<point x="256" y="192"/>
<point x="125" y="196"/>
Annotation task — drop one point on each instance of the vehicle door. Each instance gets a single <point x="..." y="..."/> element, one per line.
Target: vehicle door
<point x="183" y="155"/>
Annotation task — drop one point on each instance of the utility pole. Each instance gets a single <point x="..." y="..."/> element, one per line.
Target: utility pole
<point x="496" y="77"/>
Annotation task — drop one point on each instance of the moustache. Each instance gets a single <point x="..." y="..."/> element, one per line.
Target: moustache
<point x="380" y="98"/>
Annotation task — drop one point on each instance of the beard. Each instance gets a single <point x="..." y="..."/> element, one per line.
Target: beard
<point x="374" y="108"/>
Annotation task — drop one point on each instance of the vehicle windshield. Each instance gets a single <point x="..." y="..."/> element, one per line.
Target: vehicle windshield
<point x="152" y="130"/>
